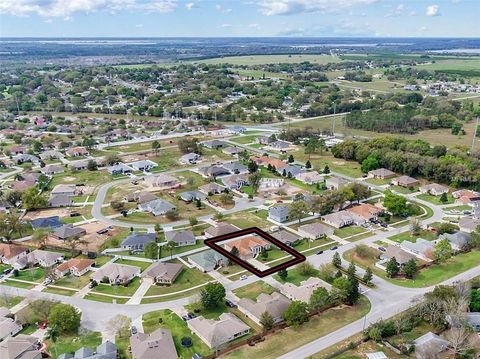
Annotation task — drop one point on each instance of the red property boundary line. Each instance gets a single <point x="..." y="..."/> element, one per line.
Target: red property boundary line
<point x="298" y="257"/>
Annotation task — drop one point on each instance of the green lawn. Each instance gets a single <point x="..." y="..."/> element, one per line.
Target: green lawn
<point x="253" y="290"/>
<point x="73" y="281"/>
<point x="436" y="199"/>
<point x="290" y="338"/>
<point x="122" y="344"/>
<point x="349" y="231"/>
<point x="104" y="299"/>
<point x="407" y="236"/>
<point x="10" y="301"/>
<point x="243" y="140"/>
<point x="142" y="265"/>
<point x="59" y="291"/>
<point x="118" y="289"/>
<point x="295" y="277"/>
<point x="187" y="279"/>
<point x="13" y="283"/>
<point x="33" y="275"/>
<point x="167" y="319"/>
<point x="403" y="190"/>
<point x="213" y="313"/>
<point x="68" y="343"/>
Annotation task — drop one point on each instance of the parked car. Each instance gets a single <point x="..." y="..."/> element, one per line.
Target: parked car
<point x="334" y="248"/>
<point x="383" y="249"/>
<point x="7" y="271"/>
<point x="243" y="277"/>
<point x="230" y="304"/>
<point x="47" y="281"/>
<point x="133" y="330"/>
<point x="43" y="325"/>
<point x="190" y="315"/>
<point x="319" y="252"/>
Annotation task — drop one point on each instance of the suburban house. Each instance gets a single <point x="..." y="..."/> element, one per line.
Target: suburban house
<point x="235" y="182"/>
<point x="20" y="347"/>
<point x="74" y="266"/>
<point x="213" y="171"/>
<point x="136" y="242"/>
<point x="285" y="237"/>
<point x="119" y="169"/>
<point x="78" y="165"/>
<point x="190" y="196"/>
<point x="215" y="144"/>
<point x="157" y="207"/>
<point x="217" y="332"/>
<point x="290" y="170"/>
<point x="335" y="183"/>
<point x="9" y="327"/>
<point x="311" y="177"/>
<point x="211" y="188"/>
<point x="163" y="272"/>
<point x="51" y="155"/>
<point x="278" y="213"/>
<point x="381" y="173"/>
<point x="248" y="247"/>
<point x="232" y="150"/>
<point x="421" y="248"/>
<point x="60" y="200"/>
<point x="149" y="346"/>
<point x="364" y="212"/>
<point x="143" y="165"/>
<point x="458" y="240"/>
<point x="116" y="273"/>
<point x="220" y="229"/>
<point x="18" y="150"/>
<point x="140" y="197"/>
<point x="434" y="189"/>
<point x="64" y="189"/>
<point x="68" y="231"/>
<point x="24" y="158"/>
<point x="274" y="304"/>
<point x="265" y="161"/>
<point x="207" y="260"/>
<point x="315" y="230"/>
<point x="465" y="196"/>
<point x="106" y="350"/>
<point x="303" y="291"/>
<point x="235" y="168"/>
<point x="12" y="253"/>
<point x="77" y="152"/>
<point x="469" y="224"/>
<point x="162" y="180"/>
<point x="405" y="181"/>
<point x="400" y="255"/>
<point x="42" y="258"/>
<point x="190" y="158"/>
<point x="338" y="219"/>
<point x="433" y="342"/>
<point x="46" y="222"/>
<point x="473" y="318"/>
<point x="51" y="170"/>
<point x="180" y="238"/>
<point x="271" y="183"/>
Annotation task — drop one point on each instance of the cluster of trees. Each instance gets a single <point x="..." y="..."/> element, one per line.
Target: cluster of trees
<point x="456" y="166"/>
<point x="360" y="76"/>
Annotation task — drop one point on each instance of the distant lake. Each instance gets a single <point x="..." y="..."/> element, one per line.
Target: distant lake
<point x="452" y="51"/>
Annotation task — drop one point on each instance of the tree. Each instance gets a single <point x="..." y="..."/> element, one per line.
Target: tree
<point x="415" y="226"/>
<point x="112" y="159"/>
<point x="306" y="269"/>
<point x="326" y="169"/>
<point x="252" y="167"/>
<point x="65" y="318"/>
<point x="367" y="276"/>
<point x="156" y="146"/>
<point x="410" y="268"/>
<point x="52" y="334"/>
<point x="267" y="321"/>
<point x="254" y="180"/>
<point x="171" y="245"/>
<point x="212" y="295"/>
<point x="296" y="313"/>
<point x="291" y="159"/>
<point x="444" y="198"/>
<point x="319" y="299"/>
<point x="392" y="268"/>
<point x="119" y="325"/>
<point x="336" y="260"/>
<point x="172" y="214"/>
<point x="308" y="164"/>
<point x="283" y="273"/>
<point x="40" y="236"/>
<point x="32" y="198"/>
<point x="298" y="210"/>
<point x="117" y="205"/>
<point x="369" y="164"/>
<point x="193" y="221"/>
<point x="92" y="165"/>
<point x="443" y="251"/>
<point x="395" y="204"/>
<point x="152" y="250"/>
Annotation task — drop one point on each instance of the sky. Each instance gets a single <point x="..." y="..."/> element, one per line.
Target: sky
<point x="225" y="18"/>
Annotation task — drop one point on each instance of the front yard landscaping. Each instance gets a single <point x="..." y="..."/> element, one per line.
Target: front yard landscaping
<point x="436" y="199"/>
<point x="187" y="279"/>
<point x="118" y="289"/>
<point x="253" y="290"/>
<point x="69" y="343"/>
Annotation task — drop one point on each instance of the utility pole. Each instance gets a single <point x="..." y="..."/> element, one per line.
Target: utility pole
<point x="474" y="135"/>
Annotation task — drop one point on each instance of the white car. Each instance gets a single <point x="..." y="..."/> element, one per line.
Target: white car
<point x="243" y="277"/>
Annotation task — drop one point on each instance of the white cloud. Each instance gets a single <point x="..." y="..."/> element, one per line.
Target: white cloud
<point x="65" y="8"/>
<point x="190" y="5"/>
<point x="290" y="7"/>
<point x="413" y="13"/>
<point x="226" y="25"/>
<point x="423" y="28"/>
<point x="433" y="10"/>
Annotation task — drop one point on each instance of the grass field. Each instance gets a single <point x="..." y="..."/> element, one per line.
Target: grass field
<point x="436" y="199"/>
<point x="290" y="338"/>
<point x="68" y="343"/>
<point x="105" y="299"/>
<point x="118" y="289"/>
<point x="272" y="59"/>
<point x="252" y="291"/>
<point x="187" y="279"/>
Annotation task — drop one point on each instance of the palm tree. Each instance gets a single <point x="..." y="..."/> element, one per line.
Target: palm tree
<point x="171" y="246"/>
